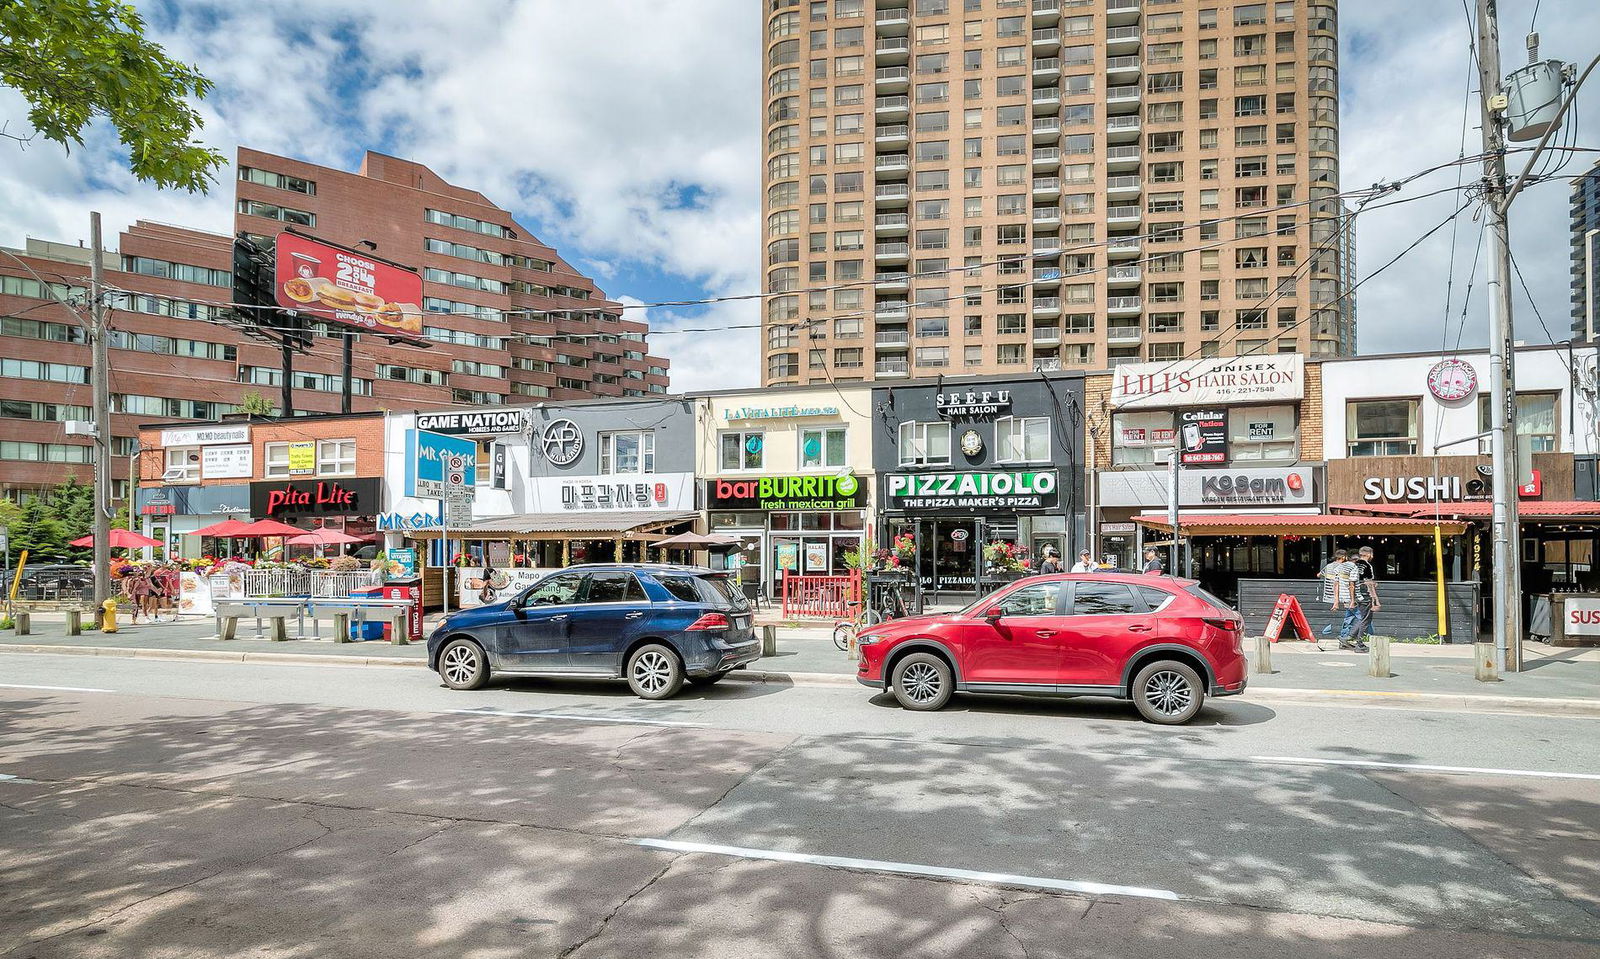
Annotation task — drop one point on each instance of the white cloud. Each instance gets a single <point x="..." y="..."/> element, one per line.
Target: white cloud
<point x="631" y="133"/>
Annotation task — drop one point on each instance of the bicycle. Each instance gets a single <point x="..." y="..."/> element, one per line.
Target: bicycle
<point x="884" y="601"/>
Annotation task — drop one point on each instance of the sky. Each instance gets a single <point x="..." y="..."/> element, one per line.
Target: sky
<point x="628" y="136"/>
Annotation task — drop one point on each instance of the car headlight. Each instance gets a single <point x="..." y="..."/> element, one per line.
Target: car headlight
<point x="867" y="639"/>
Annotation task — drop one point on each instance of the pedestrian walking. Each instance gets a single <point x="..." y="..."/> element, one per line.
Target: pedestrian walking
<point x="1338" y="589"/>
<point x="1152" y="562"/>
<point x="1363" y="601"/>
<point x="133" y="584"/>
<point x="1050" y="563"/>
<point x="1085" y="563"/>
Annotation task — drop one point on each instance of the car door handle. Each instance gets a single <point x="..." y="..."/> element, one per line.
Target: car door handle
<point x="1138" y="629"/>
<point x="633" y="616"/>
<point x="1046" y="633"/>
<point x="558" y="617"/>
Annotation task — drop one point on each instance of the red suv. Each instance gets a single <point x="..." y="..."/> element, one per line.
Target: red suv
<point x="1162" y="642"/>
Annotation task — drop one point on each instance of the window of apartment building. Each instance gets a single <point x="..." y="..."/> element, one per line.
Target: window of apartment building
<point x="924" y="444"/>
<point x="1381" y="427"/>
<point x="1250" y="106"/>
<point x="1164" y="142"/>
<point x="1170" y="112"/>
<point x="849" y="36"/>
<point x="1141" y="439"/>
<point x="1283" y="42"/>
<point x="273" y="212"/>
<point x="1077" y="115"/>
<point x="281" y="181"/>
<point x="933" y="357"/>
<point x="1077" y="85"/>
<point x="1077" y="56"/>
<point x="933" y="63"/>
<point x="1011" y="234"/>
<point x="630" y="452"/>
<point x="1283" y="73"/>
<point x="933" y="33"/>
<point x="1011" y="354"/>
<point x="148" y="266"/>
<point x="1010" y="86"/>
<point x="1283" y="11"/>
<point x="847" y="328"/>
<point x="1164" y="53"/>
<point x="1250" y="45"/>
<point x="1165" y="323"/>
<point x="931" y="327"/>
<point x="824" y="448"/>
<point x="972" y="355"/>
<point x="1165" y="83"/>
<point x="336" y="457"/>
<point x="1013" y="116"/>
<point x="1537" y="418"/>
<point x="933" y="92"/>
<point x="1250" y="75"/>
<point x="932" y="121"/>
<point x="1020" y="439"/>
<point x="183" y="465"/>
<point x="1165" y="203"/>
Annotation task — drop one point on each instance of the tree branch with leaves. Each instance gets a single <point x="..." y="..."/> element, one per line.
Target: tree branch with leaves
<point x="78" y="60"/>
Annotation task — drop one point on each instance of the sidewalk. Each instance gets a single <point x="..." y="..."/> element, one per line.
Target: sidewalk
<point x="1565" y="679"/>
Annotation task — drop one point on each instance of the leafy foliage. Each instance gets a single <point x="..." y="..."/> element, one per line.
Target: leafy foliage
<point x="257" y="405"/>
<point x="75" y="60"/>
<point x="44" y="526"/>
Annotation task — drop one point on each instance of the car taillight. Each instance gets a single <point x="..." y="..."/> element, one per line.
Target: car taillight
<point x="1226" y="625"/>
<point x="710" y="621"/>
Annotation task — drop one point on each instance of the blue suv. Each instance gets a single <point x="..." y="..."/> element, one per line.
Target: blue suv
<point x="656" y="626"/>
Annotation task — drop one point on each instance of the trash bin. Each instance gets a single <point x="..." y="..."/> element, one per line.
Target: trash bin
<point x="367" y="629"/>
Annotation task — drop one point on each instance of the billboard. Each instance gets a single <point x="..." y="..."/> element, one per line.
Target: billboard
<point x="435" y="462"/>
<point x="329" y="282"/>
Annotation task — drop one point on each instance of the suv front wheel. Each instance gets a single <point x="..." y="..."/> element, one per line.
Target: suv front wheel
<point x="1168" y="693"/>
<point x="923" y="681"/>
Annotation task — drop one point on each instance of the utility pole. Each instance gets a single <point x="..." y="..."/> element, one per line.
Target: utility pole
<point x="1507" y="574"/>
<point x="1172" y="502"/>
<point x="100" y="377"/>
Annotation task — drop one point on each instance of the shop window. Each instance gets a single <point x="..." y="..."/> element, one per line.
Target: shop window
<point x="336" y="457"/>
<point x="1263" y="434"/>
<point x="277" y="464"/>
<point x="924" y="444"/>
<point x="742" y="451"/>
<point x="183" y="465"/>
<point x="1020" y="439"/>
<point x="822" y="448"/>
<point x="1536" y="418"/>
<point x="1381" y="427"/>
<point x="1141" y="439"/>
<point x="628" y="452"/>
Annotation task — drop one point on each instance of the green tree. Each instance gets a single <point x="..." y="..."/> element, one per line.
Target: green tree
<point x="257" y="405"/>
<point x="75" y="60"/>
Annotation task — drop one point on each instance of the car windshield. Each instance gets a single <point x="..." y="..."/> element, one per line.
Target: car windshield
<point x="1200" y="594"/>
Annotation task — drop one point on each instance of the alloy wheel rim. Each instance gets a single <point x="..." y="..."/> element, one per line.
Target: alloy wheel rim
<point x="460" y="663"/>
<point x="1169" y="693"/>
<point x="921" y="682"/>
<point x="652" y="671"/>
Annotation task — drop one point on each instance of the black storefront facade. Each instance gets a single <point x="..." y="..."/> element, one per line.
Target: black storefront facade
<point x="963" y="463"/>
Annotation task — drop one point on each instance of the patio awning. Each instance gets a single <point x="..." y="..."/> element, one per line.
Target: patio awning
<point x="1530" y="511"/>
<point x="623" y="524"/>
<point x="1297" y="524"/>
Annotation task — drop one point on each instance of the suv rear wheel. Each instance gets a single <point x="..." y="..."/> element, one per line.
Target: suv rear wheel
<point x="923" y="681"/>
<point x="654" y="672"/>
<point x="1168" y="692"/>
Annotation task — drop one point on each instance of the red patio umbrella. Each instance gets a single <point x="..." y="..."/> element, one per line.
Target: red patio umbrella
<point x="268" y="527"/>
<point x="229" y="527"/>
<point x="323" y="537"/>
<point x="120" y="539"/>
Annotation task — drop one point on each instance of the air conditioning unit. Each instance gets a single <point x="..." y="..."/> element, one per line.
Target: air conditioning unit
<point x="78" y="427"/>
<point x="175" y="474"/>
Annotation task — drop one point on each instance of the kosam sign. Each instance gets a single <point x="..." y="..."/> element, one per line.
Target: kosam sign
<point x="927" y="491"/>
<point x="843" y="491"/>
<point x="1216" y="381"/>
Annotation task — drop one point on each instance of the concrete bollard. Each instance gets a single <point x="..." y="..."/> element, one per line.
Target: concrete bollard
<point x="1263" y="654"/>
<point x="399" y="634"/>
<point x="227" y="627"/>
<point x="341" y="627"/>
<point x="769" y="640"/>
<point x="1485" y="670"/>
<point x="23" y="622"/>
<point x="280" y="629"/>
<point x="74" y="622"/>
<point x="1378" y="657"/>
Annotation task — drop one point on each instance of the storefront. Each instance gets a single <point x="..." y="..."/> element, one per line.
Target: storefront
<point x="788" y="474"/>
<point x="350" y="505"/>
<point x="169" y="513"/>
<point x="969" y="464"/>
<point x="1244" y="436"/>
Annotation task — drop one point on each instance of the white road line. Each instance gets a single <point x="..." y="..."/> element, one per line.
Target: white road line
<point x="911" y="869"/>
<point x="580" y="719"/>
<point x="7" y="777"/>
<point x="58" y="689"/>
<point x="1422" y="767"/>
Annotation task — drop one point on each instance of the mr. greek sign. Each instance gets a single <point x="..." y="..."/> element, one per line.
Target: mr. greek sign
<point x="1033" y="489"/>
<point x="972" y="404"/>
<point x="842" y="491"/>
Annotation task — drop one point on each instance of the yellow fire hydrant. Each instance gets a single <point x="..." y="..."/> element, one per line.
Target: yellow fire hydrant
<point x="108" y="616"/>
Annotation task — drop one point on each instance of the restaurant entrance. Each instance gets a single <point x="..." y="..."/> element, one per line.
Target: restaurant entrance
<point x="947" y="555"/>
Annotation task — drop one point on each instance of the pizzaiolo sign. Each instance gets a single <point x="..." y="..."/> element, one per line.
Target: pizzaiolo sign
<point x="972" y="403"/>
<point x="922" y="491"/>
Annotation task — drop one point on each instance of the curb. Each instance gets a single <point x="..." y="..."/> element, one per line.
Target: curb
<point x="1381" y="699"/>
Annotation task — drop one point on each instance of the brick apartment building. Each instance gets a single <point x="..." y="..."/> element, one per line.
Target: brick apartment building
<point x="507" y="321"/>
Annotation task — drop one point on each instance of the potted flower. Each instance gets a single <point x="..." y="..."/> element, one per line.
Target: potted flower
<point x="1004" y="560"/>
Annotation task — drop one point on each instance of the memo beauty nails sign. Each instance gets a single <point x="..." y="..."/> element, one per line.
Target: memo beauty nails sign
<point x="330" y="282"/>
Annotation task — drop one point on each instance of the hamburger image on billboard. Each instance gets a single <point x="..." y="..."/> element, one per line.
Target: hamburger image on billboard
<point x="333" y="283"/>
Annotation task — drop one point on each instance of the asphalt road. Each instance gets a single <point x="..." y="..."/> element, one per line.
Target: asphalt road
<point x="198" y="809"/>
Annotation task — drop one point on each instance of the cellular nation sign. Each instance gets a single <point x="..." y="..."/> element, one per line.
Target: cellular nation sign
<point x="840" y="491"/>
<point x="971" y="491"/>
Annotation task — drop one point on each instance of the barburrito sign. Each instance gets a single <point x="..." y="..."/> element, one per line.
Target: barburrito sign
<point x="1217" y="381"/>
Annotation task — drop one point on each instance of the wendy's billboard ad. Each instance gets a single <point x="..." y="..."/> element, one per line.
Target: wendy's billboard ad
<point x="334" y="283"/>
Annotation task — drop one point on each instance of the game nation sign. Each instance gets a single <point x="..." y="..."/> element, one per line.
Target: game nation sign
<point x="333" y="283"/>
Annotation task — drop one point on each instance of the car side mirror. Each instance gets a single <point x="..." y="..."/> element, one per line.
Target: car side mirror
<point x="993" y="614"/>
